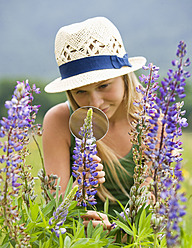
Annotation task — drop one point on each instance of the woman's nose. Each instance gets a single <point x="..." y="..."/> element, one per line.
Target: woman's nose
<point x="95" y="99"/>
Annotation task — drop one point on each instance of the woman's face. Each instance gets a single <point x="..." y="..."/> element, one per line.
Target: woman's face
<point x="106" y="95"/>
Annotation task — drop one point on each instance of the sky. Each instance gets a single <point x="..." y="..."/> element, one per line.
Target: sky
<point x="149" y="28"/>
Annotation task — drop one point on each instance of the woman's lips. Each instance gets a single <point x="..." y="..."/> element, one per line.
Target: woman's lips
<point x="105" y="109"/>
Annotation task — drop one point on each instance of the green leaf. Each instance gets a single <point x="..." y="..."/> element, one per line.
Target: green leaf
<point x="34" y="211"/>
<point x="48" y="208"/>
<point x="78" y="230"/>
<point x="120" y="218"/>
<point x="19" y="202"/>
<point x="57" y="193"/>
<point x="50" y="195"/>
<point x="106" y="206"/>
<point x="27" y="212"/>
<point x="142" y="221"/>
<point x="30" y="226"/>
<point x="97" y="231"/>
<point x="127" y="219"/>
<point x="6" y="242"/>
<point x="69" y="187"/>
<point x="124" y="227"/>
<point x="163" y="243"/>
<point x="7" y="245"/>
<point x="67" y="242"/>
<point x="89" y="229"/>
<point x="43" y="219"/>
<point x="103" y="234"/>
<point x="134" y="232"/>
<point x="80" y="243"/>
<point x="61" y="241"/>
<point x="138" y="215"/>
<point x="113" y="246"/>
<point x="72" y="205"/>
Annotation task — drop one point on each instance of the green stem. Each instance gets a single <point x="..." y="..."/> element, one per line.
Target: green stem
<point x="143" y="123"/>
<point x="155" y="240"/>
<point x="6" y="179"/>
<point x="84" y="169"/>
<point x="162" y="134"/>
<point x="40" y="153"/>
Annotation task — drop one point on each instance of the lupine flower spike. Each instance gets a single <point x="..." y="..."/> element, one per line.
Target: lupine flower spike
<point x="59" y="216"/>
<point x="164" y="120"/>
<point x="14" y="174"/>
<point x="156" y="138"/>
<point x="84" y="168"/>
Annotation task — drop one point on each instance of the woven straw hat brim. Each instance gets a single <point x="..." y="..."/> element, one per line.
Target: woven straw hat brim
<point x="60" y="85"/>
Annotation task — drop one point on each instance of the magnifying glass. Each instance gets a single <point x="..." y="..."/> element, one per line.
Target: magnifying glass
<point x="100" y="122"/>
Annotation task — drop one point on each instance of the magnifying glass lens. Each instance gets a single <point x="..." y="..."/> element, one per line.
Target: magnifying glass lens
<point x="100" y="122"/>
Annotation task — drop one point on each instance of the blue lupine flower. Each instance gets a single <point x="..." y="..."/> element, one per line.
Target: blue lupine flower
<point x="165" y="118"/>
<point x="16" y="126"/>
<point x="84" y="168"/>
<point x="59" y="216"/>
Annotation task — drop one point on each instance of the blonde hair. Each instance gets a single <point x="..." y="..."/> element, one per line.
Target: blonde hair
<point x="108" y="156"/>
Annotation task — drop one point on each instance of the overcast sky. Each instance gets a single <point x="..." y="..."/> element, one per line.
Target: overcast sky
<point x="151" y="28"/>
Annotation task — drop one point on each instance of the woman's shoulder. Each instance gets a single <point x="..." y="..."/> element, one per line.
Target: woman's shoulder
<point x="59" y="114"/>
<point x="60" y="110"/>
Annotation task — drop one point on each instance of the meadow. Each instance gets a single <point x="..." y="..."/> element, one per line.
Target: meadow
<point x="35" y="160"/>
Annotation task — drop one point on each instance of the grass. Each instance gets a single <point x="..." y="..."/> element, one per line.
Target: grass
<point x="187" y="183"/>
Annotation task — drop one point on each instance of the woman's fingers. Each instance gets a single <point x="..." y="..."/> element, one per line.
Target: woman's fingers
<point x="99" y="173"/>
<point x="96" y="158"/>
<point x="106" y="226"/>
<point x="99" y="167"/>
<point x="96" y="218"/>
<point x="94" y="215"/>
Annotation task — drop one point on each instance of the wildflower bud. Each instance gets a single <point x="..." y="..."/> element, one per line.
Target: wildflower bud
<point x="157" y="205"/>
<point x="133" y="213"/>
<point x="133" y="189"/>
<point x="20" y="90"/>
<point x="133" y="198"/>
<point x="137" y="202"/>
<point x="130" y="203"/>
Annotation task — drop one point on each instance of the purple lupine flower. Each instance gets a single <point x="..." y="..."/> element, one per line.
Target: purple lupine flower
<point x="84" y="168"/>
<point x="15" y="174"/>
<point x="59" y="216"/>
<point x="165" y="117"/>
<point x="15" y="127"/>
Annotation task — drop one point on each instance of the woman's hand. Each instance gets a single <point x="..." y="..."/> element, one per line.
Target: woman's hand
<point x="96" y="218"/>
<point x="99" y="170"/>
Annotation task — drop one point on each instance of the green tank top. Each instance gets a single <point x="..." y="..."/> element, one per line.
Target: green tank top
<point x="126" y="180"/>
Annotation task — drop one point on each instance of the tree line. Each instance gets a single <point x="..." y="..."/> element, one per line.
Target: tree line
<point x="7" y="86"/>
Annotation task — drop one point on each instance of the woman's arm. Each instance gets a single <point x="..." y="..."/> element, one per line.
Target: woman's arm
<point x="56" y="146"/>
<point x="56" y="143"/>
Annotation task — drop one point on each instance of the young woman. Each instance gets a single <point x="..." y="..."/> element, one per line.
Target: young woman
<point x="95" y="71"/>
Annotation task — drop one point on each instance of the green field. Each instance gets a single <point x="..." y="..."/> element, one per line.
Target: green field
<point x="187" y="183"/>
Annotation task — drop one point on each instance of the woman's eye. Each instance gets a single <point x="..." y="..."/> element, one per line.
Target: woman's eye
<point x="103" y="86"/>
<point x="80" y="91"/>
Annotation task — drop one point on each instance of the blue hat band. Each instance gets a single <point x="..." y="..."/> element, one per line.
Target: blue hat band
<point x="93" y="63"/>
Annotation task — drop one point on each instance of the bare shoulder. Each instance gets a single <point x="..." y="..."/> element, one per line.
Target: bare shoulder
<point x="59" y="112"/>
<point x="56" y="143"/>
<point x="56" y="120"/>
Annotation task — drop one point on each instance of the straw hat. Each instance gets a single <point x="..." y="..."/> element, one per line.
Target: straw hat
<point x="90" y="52"/>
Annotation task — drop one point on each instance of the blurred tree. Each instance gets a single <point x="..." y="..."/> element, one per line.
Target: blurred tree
<point x="47" y="101"/>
